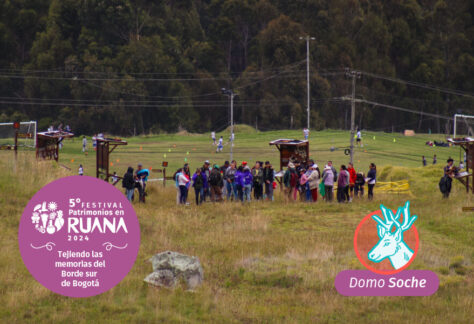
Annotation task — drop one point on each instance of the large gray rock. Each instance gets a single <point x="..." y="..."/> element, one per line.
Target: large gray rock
<point x="171" y="267"/>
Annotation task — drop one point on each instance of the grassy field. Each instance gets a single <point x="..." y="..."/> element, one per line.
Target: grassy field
<point x="250" y="145"/>
<point x="263" y="262"/>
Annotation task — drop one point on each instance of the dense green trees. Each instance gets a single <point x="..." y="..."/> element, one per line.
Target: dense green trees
<point x="128" y="67"/>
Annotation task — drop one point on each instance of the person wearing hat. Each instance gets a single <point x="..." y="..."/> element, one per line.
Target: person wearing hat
<point x="215" y="181"/>
<point x="313" y="182"/>
<point x="268" y="177"/>
<point x="206" y="173"/>
<point x="449" y="173"/>
<point x="290" y="180"/>
<point x="328" y="180"/>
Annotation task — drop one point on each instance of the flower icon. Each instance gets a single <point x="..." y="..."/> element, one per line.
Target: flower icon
<point x="52" y="206"/>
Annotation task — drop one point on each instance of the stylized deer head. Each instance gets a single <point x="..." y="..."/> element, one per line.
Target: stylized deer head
<point x="391" y="245"/>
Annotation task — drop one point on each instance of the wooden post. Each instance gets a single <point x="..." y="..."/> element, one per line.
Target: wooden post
<point x="16" y="144"/>
<point x="164" y="177"/>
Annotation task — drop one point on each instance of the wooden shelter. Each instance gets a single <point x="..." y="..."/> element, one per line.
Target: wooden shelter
<point x="105" y="146"/>
<point x="292" y="150"/>
<point x="466" y="177"/>
<point x="47" y="144"/>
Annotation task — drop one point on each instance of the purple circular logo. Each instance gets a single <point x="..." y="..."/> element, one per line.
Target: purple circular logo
<point x="79" y="236"/>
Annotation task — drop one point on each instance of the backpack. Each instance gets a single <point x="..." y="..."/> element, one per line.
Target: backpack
<point x="293" y="179"/>
<point x="443" y="185"/>
<point x="198" y="183"/>
<point x="214" y="178"/>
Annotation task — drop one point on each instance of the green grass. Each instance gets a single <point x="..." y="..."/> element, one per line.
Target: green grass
<point x="263" y="262"/>
<point x="251" y="146"/>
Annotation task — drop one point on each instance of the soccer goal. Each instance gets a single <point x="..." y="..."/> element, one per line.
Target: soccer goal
<point x="26" y="136"/>
<point x="463" y="125"/>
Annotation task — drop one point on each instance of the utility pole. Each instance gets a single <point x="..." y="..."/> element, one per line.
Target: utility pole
<point x="353" y="74"/>
<point x="231" y="94"/>
<point x="307" y="38"/>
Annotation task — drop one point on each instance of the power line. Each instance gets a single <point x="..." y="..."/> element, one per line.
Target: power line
<point x="375" y="104"/>
<point x="421" y="85"/>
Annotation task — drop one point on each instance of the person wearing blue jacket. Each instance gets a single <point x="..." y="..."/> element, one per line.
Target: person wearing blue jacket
<point x="371" y="179"/>
<point x="247" y="181"/>
<point x="142" y="175"/>
<point x="198" y="183"/>
<point x="238" y="180"/>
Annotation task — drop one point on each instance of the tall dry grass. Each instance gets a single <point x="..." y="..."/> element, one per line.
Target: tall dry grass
<point x="263" y="262"/>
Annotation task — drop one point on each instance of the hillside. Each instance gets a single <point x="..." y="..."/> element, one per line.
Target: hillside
<point x="135" y="67"/>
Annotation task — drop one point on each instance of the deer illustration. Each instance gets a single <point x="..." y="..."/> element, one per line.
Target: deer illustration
<point x="391" y="245"/>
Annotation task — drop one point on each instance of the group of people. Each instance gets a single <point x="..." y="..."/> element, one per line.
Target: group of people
<point x="220" y="143"/>
<point x="132" y="181"/>
<point x="424" y="162"/>
<point x="229" y="181"/>
<point x="244" y="183"/>
<point x="94" y="142"/>
<point x="306" y="182"/>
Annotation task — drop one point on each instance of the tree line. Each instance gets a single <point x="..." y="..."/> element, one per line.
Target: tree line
<point x="130" y="67"/>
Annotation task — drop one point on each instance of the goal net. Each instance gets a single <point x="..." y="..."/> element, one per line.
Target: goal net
<point x="463" y="126"/>
<point x="26" y="135"/>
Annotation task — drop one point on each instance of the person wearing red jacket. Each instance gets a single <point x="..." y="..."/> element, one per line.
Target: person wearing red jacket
<point x="352" y="178"/>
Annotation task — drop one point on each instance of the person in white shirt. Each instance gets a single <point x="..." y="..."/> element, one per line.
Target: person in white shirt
<point x="220" y="146"/>
<point x="84" y="144"/>
<point x="183" y="189"/>
<point x="81" y="170"/>
<point x="213" y="136"/>
<point x="306" y="133"/>
<point x="232" y="137"/>
<point x="359" y="138"/>
<point x="115" y="179"/>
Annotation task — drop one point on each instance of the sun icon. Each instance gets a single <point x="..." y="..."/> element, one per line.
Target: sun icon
<point x="52" y="206"/>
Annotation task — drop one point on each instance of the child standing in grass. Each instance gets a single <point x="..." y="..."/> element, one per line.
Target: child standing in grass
<point x="81" y="170"/>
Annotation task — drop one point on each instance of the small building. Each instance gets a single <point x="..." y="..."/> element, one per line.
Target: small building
<point x="47" y="144"/>
<point x="292" y="150"/>
<point x="466" y="177"/>
<point x="105" y="147"/>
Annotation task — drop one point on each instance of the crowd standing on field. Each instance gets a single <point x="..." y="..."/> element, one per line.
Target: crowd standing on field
<point x="241" y="182"/>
